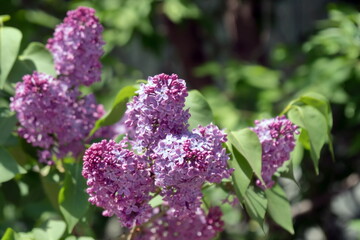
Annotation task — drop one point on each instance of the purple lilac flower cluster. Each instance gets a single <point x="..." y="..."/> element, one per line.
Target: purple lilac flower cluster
<point x="276" y="136"/>
<point x="182" y="163"/>
<point x="77" y="47"/>
<point x="198" y="227"/>
<point x="52" y="113"/>
<point x="178" y="162"/>
<point x="52" y="116"/>
<point x="118" y="181"/>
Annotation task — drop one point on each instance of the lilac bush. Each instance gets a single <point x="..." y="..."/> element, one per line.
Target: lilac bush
<point x="159" y="157"/>
<point x="276" y="136"/>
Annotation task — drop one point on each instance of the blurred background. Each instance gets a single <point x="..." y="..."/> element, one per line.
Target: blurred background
<point x="249" y="58"/>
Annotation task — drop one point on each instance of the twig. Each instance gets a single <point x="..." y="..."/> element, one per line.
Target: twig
<point x="131" y="233"/>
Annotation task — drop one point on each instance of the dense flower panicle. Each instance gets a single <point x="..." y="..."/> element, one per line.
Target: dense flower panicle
<point x="77" y="47"/>
<point x="52" y="116"/>
<point x="158" y="110"/>
<point x="276" y="136"/>
<point x="182" y="163"/>
<point x="198" y="226"/>
<point x="118" y="181"/>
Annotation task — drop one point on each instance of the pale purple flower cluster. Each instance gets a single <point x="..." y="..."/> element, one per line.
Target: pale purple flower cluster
<point x="182" y="160"/>
<point x="77" y="47"/>
<point x="158" y="110"/>
<point x="118" y="181"/>
<point x="52" y="116"/>
<point x="182" y="163"/>
<point x="276" y="136"/>
<point x="198" y="226"/>
<point x="177" y="162"/>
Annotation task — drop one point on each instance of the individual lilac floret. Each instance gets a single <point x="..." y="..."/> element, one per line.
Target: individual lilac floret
<point x="182" y="163"/>
<point x="198" y="226"/>
<point x="52" y="116"/>
<point x="158" y="110"/>
<point x="119" y="181"/>
<point x="276" y="136"/>
<point x="77" y="47"/>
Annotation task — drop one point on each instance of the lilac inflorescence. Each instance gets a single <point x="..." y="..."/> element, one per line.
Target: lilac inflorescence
<point x="276" y="136"/>
<point x="184" y="162"/>
<point x="77" y="47"/>
<point x="52" y="116"/>
<point x="198" y="226"/>
<point x="158" y="110"/>
<point x="177" y="162"/>
<point x="118" y="181"/>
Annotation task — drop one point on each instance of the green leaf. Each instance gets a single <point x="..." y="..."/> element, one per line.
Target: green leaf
<point x="304" y="139"/>
<point x="4" y="18"/>
<point x="8" y="166"/>
<point x="177" y="10"/>
<point x="319" y="102"/>
<point x="118" y="109"/>
<point x="256" y="204"/>
<point x="242" y="171"/>
<point x="7" y="125"/>
<point x="248" y="145"/>
<point x="279" y="208"/>
<point x="156" y="201"/>
<point x="10" y="39"/>
<point x="287" y="171"/>
<point x="315" y="125"/>
<point x="199" y="109"/>
<point x="40" y="56"/>
<point x="9" y="235"/>
<point x="322" y="105"/>
<point x="261" y="77"/>
<point x="79" y="238"/>
<point x="297" y="154"/>
<point x="51" y="230"/>
<point x="50" y="182"/>
<point x="73" y="199"/>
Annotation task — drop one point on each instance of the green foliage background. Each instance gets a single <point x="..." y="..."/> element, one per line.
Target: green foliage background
<point x="231" y="53"/>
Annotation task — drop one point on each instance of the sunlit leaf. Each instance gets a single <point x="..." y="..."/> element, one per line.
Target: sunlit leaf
<point x="118" y="108"/>
<point x="248" y="145"/>
<point x="279" y="208"/>
<point x="199" y="109"/>
<point x="242" y="171"/>
<point x="40" y="56"/>
<point x="256" y="204"/>
<point x="178" y="10"/>
<point x="10" y="234"/>
<point x="315" y="125"/>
